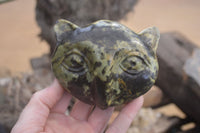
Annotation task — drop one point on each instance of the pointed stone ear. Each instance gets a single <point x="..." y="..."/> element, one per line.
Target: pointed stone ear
<point x="150" y="36"/>
<point x="63" y="26"/>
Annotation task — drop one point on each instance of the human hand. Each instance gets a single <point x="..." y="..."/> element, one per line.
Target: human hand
<point x="45" y="112"/>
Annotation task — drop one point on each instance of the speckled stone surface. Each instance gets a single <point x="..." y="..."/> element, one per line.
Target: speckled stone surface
<point x="105" y="63"/>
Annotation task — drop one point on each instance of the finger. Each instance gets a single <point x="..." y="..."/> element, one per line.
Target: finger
<point x="81" y="111"/>
<point x="62" y="104"/>
<point x="38" y="108"/>
<point x="125" y="117"/>
<point x="99" y="118"/>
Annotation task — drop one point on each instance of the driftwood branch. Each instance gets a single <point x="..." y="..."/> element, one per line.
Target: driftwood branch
<point x="176" y="75"/>
<point x="80" y="12"/>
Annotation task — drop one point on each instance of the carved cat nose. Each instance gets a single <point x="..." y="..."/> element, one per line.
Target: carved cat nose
<point x="113" y="86"/>
<point x="108" y="90"/>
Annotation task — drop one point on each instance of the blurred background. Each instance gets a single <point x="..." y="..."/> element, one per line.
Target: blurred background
<point x="19" y="30"/>
<point x="22" y="40"/>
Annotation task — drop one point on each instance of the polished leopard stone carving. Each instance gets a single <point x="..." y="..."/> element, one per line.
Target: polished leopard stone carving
<point x="105" y="63"/>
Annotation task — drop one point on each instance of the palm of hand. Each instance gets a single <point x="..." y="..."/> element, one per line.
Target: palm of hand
<point x="45" y="112"/>
<point x="58" y="123"/>
<point x="80" y="120"/>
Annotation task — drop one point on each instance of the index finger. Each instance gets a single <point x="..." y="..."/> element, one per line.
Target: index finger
<point x="37" y="110"/>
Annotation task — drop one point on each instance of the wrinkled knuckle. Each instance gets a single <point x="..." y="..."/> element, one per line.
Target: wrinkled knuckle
<point x="36" y="96"/>
<point x="113" y="129"/>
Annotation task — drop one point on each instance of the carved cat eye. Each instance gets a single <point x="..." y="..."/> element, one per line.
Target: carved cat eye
<point x="75" y="62"/>
<point x="132" y="64"/>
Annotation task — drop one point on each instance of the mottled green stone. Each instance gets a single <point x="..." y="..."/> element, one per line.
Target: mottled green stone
<point x="105" y="63"/>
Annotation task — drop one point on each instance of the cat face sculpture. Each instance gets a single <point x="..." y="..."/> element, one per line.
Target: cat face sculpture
<point x="105" y="63"/>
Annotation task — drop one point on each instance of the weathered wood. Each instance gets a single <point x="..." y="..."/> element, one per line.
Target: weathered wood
<point x="151" y="121"/>
<point x="41" y="62"/>
<point x="80" y="12"/>
<point x="182" y="126"/>
<point x="15" y="92"/>
<point x="180" y="86"/>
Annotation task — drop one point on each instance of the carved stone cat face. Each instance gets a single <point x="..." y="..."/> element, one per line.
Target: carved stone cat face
<point x="105" y="63"/>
